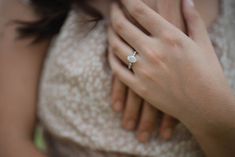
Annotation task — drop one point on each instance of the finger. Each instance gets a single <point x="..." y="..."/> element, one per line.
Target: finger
<point x="167" y="127"/>
<point x="128" y="31"/>
<point x="196" y="27"/>
<point x="172" y="12"/>
<point x="148" y="123"/>
<point x="118" y="47"/>
<point x="118" y="95"/>
<point x="146" y="17"/>
<point x="132" y="111"/>
<point x="151" y="3"/>
<point x="125" y="75"/>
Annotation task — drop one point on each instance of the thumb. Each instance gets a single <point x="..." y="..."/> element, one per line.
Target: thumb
<point x="196" y="27"/>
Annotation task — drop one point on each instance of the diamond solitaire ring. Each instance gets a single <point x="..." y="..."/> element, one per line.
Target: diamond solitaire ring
<point x="132" y="59"/>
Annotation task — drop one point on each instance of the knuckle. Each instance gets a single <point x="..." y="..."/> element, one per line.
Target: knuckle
<point x="157" y="57"/>
<point x="147" y="75"/>
<point x="171" y="39"/>
<point x="115" y="72"/>
<point x="142" y="41"/>
<point x="160" y="57"/>
<point x="154" y="55"/>
<point x="144" y="72"/>
<point x="143" y="90"/>
<point x="119" y="25"/>
<point x="148" y="50"/>
<point x="114" y="47"/>
<point x="138" y="10"/>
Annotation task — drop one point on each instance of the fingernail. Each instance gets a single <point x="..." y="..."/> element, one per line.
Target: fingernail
<point x="167" y="133"/>
<point x="130" y="125"/>
<point x="191" y="3"/>
<point x="118" y="107"/>
<point x="144" y="137"/>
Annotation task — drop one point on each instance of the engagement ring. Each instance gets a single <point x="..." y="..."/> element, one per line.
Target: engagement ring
<point x="132" y="59"/>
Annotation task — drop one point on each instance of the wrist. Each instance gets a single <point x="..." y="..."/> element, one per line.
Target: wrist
<point x="222" y="121"/>
<point x="217" y="135"/>
<point x="213" y="117"/>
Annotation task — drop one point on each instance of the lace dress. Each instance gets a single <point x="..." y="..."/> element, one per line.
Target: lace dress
<point x="75" y="103"/>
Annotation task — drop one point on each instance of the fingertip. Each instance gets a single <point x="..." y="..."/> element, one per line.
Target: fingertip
<point x="188" y="7"/>
<point x="166" y="133"/>
<point x="143" y="137"/>
<point x="144" y="134"/>
<point x="190" y="3"/>
<point x="167" y="127"/>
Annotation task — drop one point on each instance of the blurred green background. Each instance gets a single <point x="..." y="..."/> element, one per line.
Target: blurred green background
<point x="39" y="142"/>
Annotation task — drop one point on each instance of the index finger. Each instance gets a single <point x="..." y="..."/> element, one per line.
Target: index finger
<point x="146" y="17"/>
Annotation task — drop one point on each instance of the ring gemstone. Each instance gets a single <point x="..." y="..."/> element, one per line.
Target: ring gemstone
<point x="132" y="59"/>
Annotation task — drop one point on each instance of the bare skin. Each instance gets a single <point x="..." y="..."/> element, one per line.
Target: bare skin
<point x="20" y="68"/>
<point x="138" y="115"/>
<point x="205" y="105"/>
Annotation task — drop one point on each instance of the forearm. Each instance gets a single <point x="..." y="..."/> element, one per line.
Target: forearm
<point x="216" y="134"/>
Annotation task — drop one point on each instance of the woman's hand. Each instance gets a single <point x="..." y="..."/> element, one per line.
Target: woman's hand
<point x="179" y="75"/>
<point x="138" y="114"/>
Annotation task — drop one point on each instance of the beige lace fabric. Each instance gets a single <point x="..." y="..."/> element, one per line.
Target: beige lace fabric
<point x="75" y="102"/>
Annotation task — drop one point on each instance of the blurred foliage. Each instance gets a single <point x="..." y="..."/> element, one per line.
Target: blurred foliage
<point x="39" y="142"/>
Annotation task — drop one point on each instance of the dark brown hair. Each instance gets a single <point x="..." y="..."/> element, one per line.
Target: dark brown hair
<point x="53" y="14"/>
